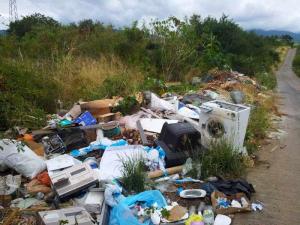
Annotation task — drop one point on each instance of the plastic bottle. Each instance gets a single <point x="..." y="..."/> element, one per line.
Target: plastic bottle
<point x="208" y="216"/>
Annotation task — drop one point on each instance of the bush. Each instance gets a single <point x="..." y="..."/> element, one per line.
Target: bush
<point x="258" y="125"/>
<point x="267" y="80"/>
<point x="296" y="63"/>
<point x="221" y="159"/>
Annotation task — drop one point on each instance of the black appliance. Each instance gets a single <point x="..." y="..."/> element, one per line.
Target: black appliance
<point x="180" y="141"/>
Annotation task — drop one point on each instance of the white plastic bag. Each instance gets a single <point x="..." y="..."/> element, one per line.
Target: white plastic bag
<point x="25" y="162"/>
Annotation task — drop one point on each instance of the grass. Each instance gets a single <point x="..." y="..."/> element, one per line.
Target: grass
<point x="221" y="159"/>
<point x="296" y="63"/>
<point x="259" y="123"/>
<point x="133" y="174"/>
<point x="267" y="80"/>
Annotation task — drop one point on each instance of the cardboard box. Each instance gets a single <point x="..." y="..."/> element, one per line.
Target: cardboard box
<point x="231" y="210"/>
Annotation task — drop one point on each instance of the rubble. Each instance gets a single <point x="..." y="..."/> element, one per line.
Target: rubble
<point x="72" y="169"/>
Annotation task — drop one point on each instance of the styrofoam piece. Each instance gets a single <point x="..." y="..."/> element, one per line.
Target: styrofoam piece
<point x="111" y="162"/>
<point x="155" y="125"/>
<point x="222" y="220"/>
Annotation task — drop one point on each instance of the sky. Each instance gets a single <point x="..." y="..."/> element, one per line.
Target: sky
<point x="249" y="14"/>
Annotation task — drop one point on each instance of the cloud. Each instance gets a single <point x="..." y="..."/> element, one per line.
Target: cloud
<point x="267" y="14"/>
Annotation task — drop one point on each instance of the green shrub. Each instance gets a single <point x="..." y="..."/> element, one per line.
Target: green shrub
<point x="127" y="105"/>
<point x="221" y="159"/>
<point x="267" y="80"/>
<point x="155" y="85"/>
<point x="258" y="125"/>
<point x="133" y="174"/>
<point x="296" y="63"/>
<point x="16" y="111"/>
<point x="118" y="85"/>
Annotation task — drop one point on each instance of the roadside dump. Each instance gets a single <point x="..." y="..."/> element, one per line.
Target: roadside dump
<point x="93" y="165"/>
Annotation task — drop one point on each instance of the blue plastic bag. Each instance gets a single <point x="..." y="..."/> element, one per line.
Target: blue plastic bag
<point x="122" y="215"/>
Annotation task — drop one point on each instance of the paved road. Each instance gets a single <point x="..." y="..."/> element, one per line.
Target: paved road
<point x="277" y="180"/>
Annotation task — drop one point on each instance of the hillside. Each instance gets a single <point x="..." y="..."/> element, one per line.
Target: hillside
<point x="295" y="36"/>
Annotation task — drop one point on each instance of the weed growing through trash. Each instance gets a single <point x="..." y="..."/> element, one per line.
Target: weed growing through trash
<point x="221" y="159"/>
<point x="259" y="123"/>
<point x="133" y="174"/>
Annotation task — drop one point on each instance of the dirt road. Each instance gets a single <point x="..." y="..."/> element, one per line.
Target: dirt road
<point x="277" y="177"/>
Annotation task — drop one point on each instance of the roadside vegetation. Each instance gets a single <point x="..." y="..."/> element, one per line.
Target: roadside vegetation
<point x="296" y="62"/>
<point x="222" y="160"/>
<point x="43" y="61"/>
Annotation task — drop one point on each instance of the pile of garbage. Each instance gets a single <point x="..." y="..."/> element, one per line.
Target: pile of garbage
<point x="72" y="170"/>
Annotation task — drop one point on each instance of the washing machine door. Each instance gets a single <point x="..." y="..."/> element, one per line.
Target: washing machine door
<point x="214" y="129"/>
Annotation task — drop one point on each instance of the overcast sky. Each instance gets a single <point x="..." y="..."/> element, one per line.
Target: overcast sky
<point x="265" y="14"/>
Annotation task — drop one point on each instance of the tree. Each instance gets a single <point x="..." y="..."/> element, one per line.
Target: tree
<point x="27" y="23"/>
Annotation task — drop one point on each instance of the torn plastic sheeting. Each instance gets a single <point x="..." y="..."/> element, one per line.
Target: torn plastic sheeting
<point x="155" y="125"/>
<point x="186" y="112"/>
<point x="130" y="120"/>
<point x="122" y="215"/>
<point x="161" y="104"/>
<point x="98" y="145"/>
<point x="111" y="164"/>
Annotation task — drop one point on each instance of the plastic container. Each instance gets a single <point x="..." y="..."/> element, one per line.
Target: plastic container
<point x="208" y="216"/>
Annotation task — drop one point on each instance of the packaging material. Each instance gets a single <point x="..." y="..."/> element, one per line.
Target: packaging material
<point x="108" y="117"/>
<point x="186" y="112"/>
<point x="194" y="219"/>
<point x="155" y="125"/>
<point x="226" y="210"/>
<point x="111" y="162"/>
<point x="98" y="107"/>
<point x="122" y="214"/>
<point x="222" y="220"/>
<point x="85" y="119"/>
<point x="176" y="213"/>
<point x="195" y="99"/>
<point x="94" y="200"/>
<point x="36" y="186"/>
<point x="103" y="144"/>
<point x="155" y="158"/>
<point x="9" y="184"/>
<point x="208" y="216"/>
<point x="24" y="203"/>
<point x="129" y="121"/>
<point x="161" y="104"/>
<point x="25" y="161"/>
<point x="92" y="161"/>
<point x="44" y="178"/>
<point x="73" y="179"/>
<point x="74" y="112"/>
<point x="113" y="194"/>
<point x="74" y="215"/>
<point x="60" y="162"/>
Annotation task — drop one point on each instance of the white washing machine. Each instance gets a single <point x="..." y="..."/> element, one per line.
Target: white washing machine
<point x="219" y="119"/>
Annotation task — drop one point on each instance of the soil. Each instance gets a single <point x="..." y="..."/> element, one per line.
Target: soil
<point x="277" y="176"/>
